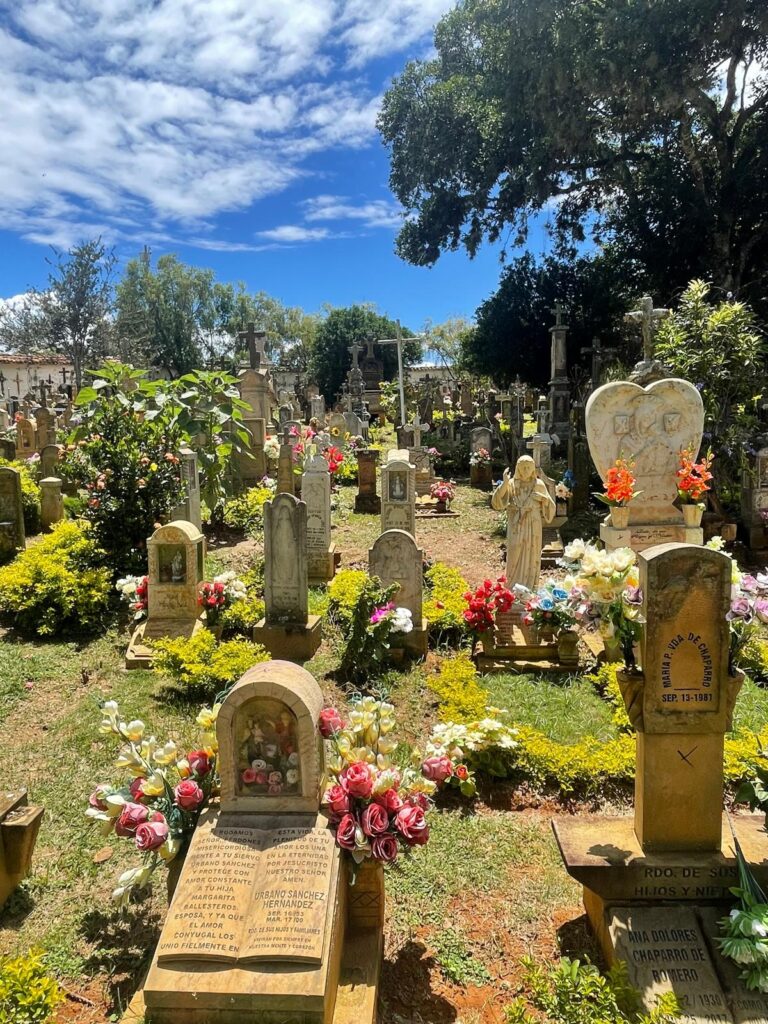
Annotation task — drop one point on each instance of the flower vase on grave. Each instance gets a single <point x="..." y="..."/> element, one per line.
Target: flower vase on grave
<point x="441" y="506"/>
<point x="620" y="517"/>
<point x="612" y="649"/>
<point x="568" y="647"/>
<point x="692" y="514"/>
<point x="546" y="634"/>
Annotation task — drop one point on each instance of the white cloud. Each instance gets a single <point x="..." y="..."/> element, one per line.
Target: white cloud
<point x="127" y="117"/>
<point x="292" y="233"/>
<point x="375" y="213"/>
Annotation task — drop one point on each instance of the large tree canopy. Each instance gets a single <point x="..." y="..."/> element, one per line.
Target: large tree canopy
<point x="645" y="119"/>
<point x="330" y="358"/>
<point x="512" y="334"/>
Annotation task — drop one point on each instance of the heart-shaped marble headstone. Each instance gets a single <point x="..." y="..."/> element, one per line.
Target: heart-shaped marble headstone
<point x="650" y="425"/>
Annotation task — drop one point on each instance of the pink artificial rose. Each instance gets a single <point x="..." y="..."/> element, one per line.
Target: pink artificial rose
<point x="390" y="801"/>
<point x="330" y="722"/>
<point x="275" y="788"/>
<point x="375" y="820"/>
<point x="412" y="826"/>
<point x="437" y="769"/>
<point x="384" y="848"/>
<point x="151" y="834"/>
<point x="199" y="762"/>
<point x="419" y="800"/>
<point x="188" y="795"/>
<point x="345" y="832"/>
<point x="356" y="780"/>
<point x="337" y="801"/>
<point x="131" y="816"/>
<point x="261" y="778"/>
<point x="96" y="799"/>
<point x="249" y="777"/>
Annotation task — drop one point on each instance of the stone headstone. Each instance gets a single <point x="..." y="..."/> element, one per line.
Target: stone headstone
<point x="45" y="421"/>
<point x="176" y="557"/>
<point x="425" y="471"/>
<point x="51" y="502"/>
<point x="354" y="424"/>
<point x="257" y="928"/>
<point x="481" y="437"/>
<point x="50" y="460"/>
<point x="317" y="409"/>
<point x="251" y="464"/>
<point x="316" y="494"/>
<point x="559" y="387"/>
<point x="367" y="500"/>
<point x="396" y="558"/>
<point x="481" y="474"/>
<point x="337" y="425"/>
<point x="285" y="473"/>
<point x="287" y="630"/>
<point x="754" y="499"/>
<point x="7" y="449"/>
<point x="12" y="536"/>
<point x="398" y="493"/>
<point x="650" y="425"/>
<point x="26" y="437"/>
<point x="256" y="391"/>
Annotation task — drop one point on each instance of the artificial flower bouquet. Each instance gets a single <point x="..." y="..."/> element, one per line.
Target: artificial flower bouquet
<point x="157" y="804"/>
<point x="482" y="457"/>
<point x="693" y="478"/>
<point x="216" y="596"/>
<point x="134" y="590"/>
<point x="551" y="607"/>
<point x="484" y="602"/>
<point x="443" y="490"/>
<point x="748" y="610"/>
<point x="564" y="487"/>
<point x="481" y="745"/>
<point x="745" y="931"/>
<point x="619" y="484"/>
<point x="272" y="449"/>
<point x="376" y="809"/>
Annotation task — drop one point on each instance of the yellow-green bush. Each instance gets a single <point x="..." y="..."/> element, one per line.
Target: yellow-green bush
<point x="444" y="602"/>
<point x="30" y="494"/>
<point x="55" y="586"/>
<point x="241" y="616"/>
<point x="753" y="659"/>
<point x="462" y="698"/>
<point x="200" y="663"/>
<point x="605" y="682"/>
<point x="246" y="512"/>
<point x="344" y="591"/>
<point x="28" y="995"/>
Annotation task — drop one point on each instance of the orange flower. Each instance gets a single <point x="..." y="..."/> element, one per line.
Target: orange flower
<point x="693" y="477"/>
<point x="620" y="483"/>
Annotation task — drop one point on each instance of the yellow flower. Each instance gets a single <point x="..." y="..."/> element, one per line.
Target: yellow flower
<point x="335" y="431"/>
<point x="128" y="757"/>
<point x="154" y="785"/>
<point x="207" y="717"/>
<point x="166" y="754"/>
<point x="153" y="466"/>
<point x="182" y="767"/>
<point x="210" y="742"/>
<point x="170" y="848"/>
<point x="134" y="730"/>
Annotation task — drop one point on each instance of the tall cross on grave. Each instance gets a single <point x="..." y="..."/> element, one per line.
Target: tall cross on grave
<point x="598" y="355"/>
<point x="537" y="446"/>
<point x="557" y="311"/>
<point x="2" y="382"/>
<point x="355" y="351"/>
<point x="369" y="343"/>
<point x="17" y="378"/>
<point x="64" y="375"/>
<point x="255" y="341"/>
<point x="401" y="380"/>
<point x="648" y="318"/>
<point x="43" y="388"/>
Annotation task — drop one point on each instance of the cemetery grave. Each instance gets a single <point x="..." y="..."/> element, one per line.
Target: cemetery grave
<point x="367" y="759"/>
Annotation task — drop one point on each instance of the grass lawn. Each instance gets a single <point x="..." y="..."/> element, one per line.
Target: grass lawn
<point x="487" y="889"/>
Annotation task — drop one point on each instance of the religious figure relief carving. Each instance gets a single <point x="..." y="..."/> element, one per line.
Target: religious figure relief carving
<point x="268" y="762"/>
<point x="397" y="486"/>
<point x="529" y="507"/>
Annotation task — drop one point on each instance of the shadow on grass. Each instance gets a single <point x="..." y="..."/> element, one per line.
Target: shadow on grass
<point x="17" y="909"/>
<point x="577" y="941"/>
<point x="121" y="950"/>
<point x="406" y="989"/>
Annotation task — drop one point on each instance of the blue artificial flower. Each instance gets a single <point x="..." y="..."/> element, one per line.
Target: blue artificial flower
<point x="546" y="604"/>
<point x="559" y="595"/>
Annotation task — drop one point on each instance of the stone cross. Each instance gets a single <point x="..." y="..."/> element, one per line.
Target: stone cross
<point x="255" y="341"/>
<point x="2" y="383"/>
<point x="418" y="428"/>
<point x="355" y="351"/>
<point x="17" y="378"/>
<point x="597" y="354"/>
<point x="369" y="344"/>
<point x="557" y="311"/>
<point x="648" y="318"/>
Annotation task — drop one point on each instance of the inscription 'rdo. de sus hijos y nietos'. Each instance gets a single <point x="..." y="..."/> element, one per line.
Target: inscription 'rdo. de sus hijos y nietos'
<point x="687" y="671"/>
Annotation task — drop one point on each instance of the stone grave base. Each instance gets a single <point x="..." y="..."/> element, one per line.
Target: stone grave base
<point x="19" y="826"/>
<point x="139" y="653"/>
<point x="413" y="643"/>
<point x="755" y="537"/>
<point x="322" y="568"/>
<point x="552" y="548"/>
<point x="481" y="477"/>
<point x="522" y="655"/>
<point x="658" y="912"/>
<point x="428" y="511"/>
<point x="368" y="504"/>
<point x="640" y="536"/>
<point x="290" y="642"/>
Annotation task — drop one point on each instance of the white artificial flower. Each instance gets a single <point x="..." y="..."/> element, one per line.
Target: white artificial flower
<point x="575" y="550"/>
<point x="715" y="543"/>
<point x="402" y="620"/>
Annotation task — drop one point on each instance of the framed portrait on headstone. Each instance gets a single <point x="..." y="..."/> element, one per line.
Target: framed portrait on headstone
<point x="267" y="749"/>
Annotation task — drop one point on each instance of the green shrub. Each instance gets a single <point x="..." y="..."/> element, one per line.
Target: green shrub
<point x="753" y="659"/>
<point x="30" y="495"/>
<point x="444" y="605"/>
<point x="574" y="993"/>
<point x="27" y="994"/>
<point x="53" y="586"/>
<point x="462" y="698"/>
<point x="343" y="593"/>
<point x="246" y="512"/>
<point x="241" y="616"/>
<point x="201" y="663"/>
<point x="605" y="682"/>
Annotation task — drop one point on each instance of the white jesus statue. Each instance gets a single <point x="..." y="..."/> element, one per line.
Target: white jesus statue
<point x="529" y="506"/>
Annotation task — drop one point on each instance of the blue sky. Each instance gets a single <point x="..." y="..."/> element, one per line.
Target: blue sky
<point x="239" y="134"/>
